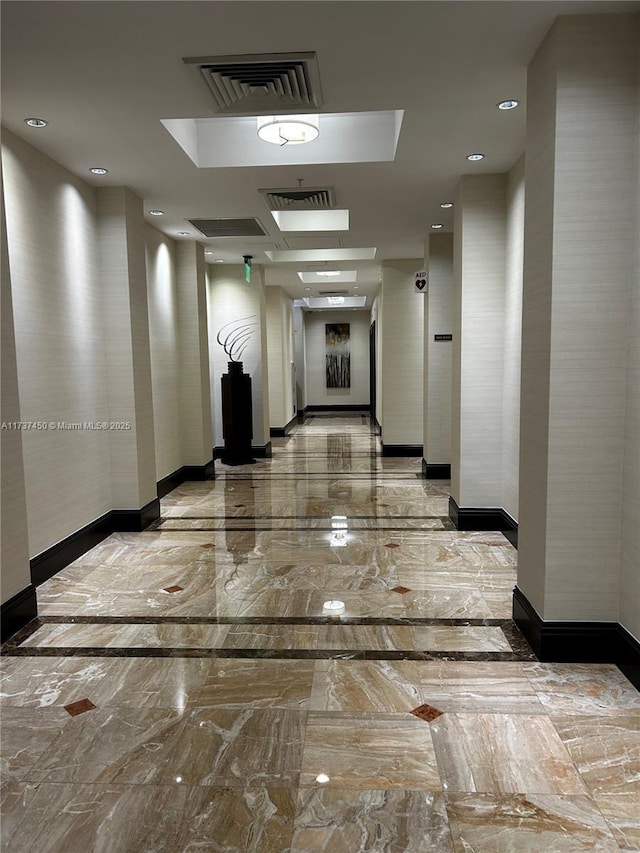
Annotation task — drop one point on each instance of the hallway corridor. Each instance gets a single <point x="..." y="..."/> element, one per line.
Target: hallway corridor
<point x="185" y="690"/>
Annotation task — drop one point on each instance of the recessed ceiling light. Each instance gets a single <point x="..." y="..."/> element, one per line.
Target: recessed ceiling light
<point x="209" y="252"/>
<point x="219" y="261"/>
<point x="184" y="234"/>
<point x="98" y="170"/>
<point x="288" y="130"/>
<point x="156" y="212"/>
<point x="36" y="122"/>
<point x="474" y="157"/>
<point x="507" y="105"/>
<point x="446" y="205"/>
<point x="437" y="225"/>
<point x="307" y="288"/>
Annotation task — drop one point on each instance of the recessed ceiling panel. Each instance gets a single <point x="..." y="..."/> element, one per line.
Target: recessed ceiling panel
<point x="336" y="302"/>
<point x="311" y="220"/>
<point x="322" y="242"/>
<point x="324" y="277"/>
<point x="363" y="137"/>
<point x="321" y="255"/>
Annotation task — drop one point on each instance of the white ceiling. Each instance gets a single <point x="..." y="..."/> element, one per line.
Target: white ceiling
<point x="105" y="75"/>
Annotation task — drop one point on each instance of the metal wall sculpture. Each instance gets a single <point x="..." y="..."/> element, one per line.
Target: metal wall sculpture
<point x="234" y="337"/>
<point x="338" y="355"/>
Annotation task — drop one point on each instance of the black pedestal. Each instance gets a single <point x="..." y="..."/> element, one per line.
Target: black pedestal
<point x="237" y="418"/>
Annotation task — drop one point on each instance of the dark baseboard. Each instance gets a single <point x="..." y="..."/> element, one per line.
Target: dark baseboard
<point x="262" y="451"/>
<point x="376" y="426"/>
<point x="401" y="449"/>
<point x="484" y="518"/>
<point x="18" y="612"/>
<point x="54" y="559"/>
<point x="578" y="642"/>
<point x="282" y="432"/>
<point x="364" y="407"/>
<point x="436" y="471"/>
<point x="135" y="520"/>
<point x="185" y="474"/>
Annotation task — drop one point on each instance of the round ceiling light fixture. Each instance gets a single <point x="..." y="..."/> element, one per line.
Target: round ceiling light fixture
<point x="156" y="213"/>
<point x="288" y="130"/>
<point x="508" y="105"/>
<point x="98" y="170"/>
<point x="36" y="122"/>
<point x="475" y="157"/>
<point x="437" y="225"/>
<point x="184" y="234"/>
<point x="445" y="205"/>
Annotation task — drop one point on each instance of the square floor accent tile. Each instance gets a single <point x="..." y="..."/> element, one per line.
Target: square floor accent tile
<point x="79" y="707"/>
<point x="400" y="589"/>
<point x="174" y="588"/>
<point x="426" y="712"/>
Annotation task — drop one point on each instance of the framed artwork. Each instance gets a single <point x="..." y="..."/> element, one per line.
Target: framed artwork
<point x="338" y="355"/>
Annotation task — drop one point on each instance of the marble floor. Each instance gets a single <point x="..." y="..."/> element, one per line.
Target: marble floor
<point x="184" y="688"/>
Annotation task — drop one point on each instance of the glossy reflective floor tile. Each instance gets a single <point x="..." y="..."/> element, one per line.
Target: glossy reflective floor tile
<point x="503" y="753"/>
<point x="527" y="824"/>
<point x="387" y="751"/>
<point x="187" y="688"/>
<point x="331" y="820"/>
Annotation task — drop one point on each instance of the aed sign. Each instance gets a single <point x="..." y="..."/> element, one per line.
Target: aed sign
<point x="420" y="281"/>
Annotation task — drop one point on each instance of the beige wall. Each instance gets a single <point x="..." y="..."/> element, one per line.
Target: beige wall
<point x="580" y="236"/>
<point x="478" y="351"/>
<point x="438" y="320"/>
<point x="401" y="311"/>
<point x="58" y="314"/>
<point x="14" y="537"/>
<point x="280" y="355"/>
<point x="230" y="298"/>
<point x="317" y="392"/>
<point x="630" y="563"/>
<point x="514" y="259"/>
<point x="163" y="335"/>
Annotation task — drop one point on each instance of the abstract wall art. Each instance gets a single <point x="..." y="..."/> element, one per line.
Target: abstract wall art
<point x="338" y="355"/>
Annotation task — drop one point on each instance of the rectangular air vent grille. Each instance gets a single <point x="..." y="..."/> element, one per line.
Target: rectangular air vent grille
<point x="333" y="293"/>
<point x="228" y="227"/>
<point x="300" y="198"/>
<point x="259" y="84"/>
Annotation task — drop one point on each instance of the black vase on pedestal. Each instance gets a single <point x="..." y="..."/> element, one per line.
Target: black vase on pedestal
<point x="237" y="416"/>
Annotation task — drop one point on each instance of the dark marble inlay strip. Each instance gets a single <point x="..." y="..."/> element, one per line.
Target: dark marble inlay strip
<point x="352" y="518"/>
<point x="270" y="654"/>
<point x="270" y="620"/>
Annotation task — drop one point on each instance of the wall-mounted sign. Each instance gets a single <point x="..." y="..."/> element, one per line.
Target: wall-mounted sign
<point x="420" y="281"/>
<point x="443" y="337"/>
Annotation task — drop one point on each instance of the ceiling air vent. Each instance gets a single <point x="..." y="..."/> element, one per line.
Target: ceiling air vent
<point x="333" y="293"/>
<point x="300" y="198"/>
<point x="228" y="227"/>
<point x="260" y="84"/>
